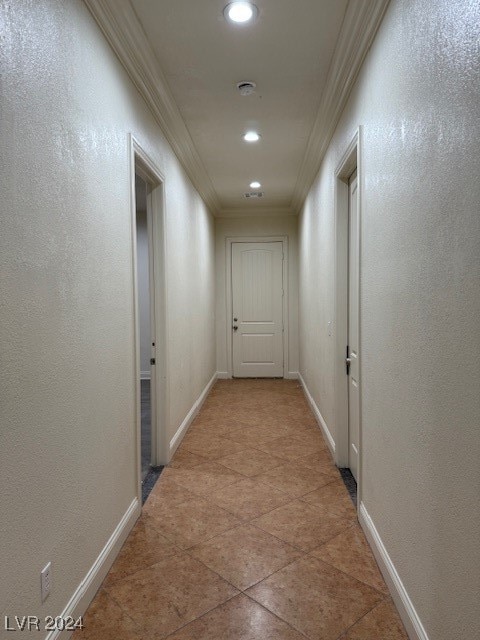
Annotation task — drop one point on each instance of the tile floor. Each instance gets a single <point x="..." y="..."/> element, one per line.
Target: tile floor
<point x="248" y="535"/>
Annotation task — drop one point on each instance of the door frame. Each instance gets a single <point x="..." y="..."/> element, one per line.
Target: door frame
<point x="142" y="165"/>
<point x="350" y="160"/>
<point x="229" y="294"/>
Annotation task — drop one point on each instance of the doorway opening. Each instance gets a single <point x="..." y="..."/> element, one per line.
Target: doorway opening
<point x="150" y="318"/>
<point x="146" y="324"/>
<point x="348" y="448"/>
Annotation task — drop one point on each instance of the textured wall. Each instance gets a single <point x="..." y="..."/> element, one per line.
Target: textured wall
<point x="418" y="99"/>
<point x="255" y="227"/>
<point x="67" y="438"/>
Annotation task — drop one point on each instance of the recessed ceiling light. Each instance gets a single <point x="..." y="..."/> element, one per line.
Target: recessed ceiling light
<point x="240" y="12"/>
<point x="251" y="136"/>
<point x="255" y="185"/>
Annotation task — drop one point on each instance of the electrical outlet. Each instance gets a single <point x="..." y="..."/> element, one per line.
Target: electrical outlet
<point x="46" y="581"/>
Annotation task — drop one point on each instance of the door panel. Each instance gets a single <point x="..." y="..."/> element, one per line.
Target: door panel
<point x="353" y="333"/>
<point x="257" y="293"/>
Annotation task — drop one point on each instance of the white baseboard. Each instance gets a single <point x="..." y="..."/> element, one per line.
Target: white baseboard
<point x="320" y="419"/>
<point x="224" y="375"/>
<point x="89" y="586"/>
<point x="410" y="617"/>
<point x="182" y="429"/>
<point x="145" y="375"/>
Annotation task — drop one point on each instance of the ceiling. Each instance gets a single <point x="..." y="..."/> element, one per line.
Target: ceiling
<point x="286" y="51"/>
<point x="187" y="59"/>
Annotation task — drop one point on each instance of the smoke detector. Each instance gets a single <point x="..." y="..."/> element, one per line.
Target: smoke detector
<point x="246" y="88"/>
<point x="254" y="194"/>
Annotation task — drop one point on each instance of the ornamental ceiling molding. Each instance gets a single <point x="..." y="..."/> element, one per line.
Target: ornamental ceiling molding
<point x="360" y="24"/>
<point x="121" y="27"/>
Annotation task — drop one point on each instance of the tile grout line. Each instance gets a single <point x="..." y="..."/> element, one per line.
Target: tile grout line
<point x="277" y="616"/>
<point x="249" y="522"/>
<point x="345" y="631"/>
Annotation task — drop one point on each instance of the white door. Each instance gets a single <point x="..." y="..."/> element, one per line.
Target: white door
<point x="353" y="333"/>
<point x="257" y="320"/>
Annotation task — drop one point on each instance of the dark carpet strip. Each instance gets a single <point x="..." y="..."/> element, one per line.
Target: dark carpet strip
<point x="349" y="482"/>
<point x="149" y="481"/>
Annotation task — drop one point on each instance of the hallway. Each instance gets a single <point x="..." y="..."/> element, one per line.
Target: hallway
<point x="249" y="534"/>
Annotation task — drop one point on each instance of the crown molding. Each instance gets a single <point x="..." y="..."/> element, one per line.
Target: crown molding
<point x="258" y="212"/>
<point x="360" y="24"/>
<point x="121" y="27"/>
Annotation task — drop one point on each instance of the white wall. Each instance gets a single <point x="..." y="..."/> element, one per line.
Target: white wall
<point x="255" y="227"/>
<point x="143" y="293"/>
<point x="67" y="439"/>
<point x="417" y="99"/>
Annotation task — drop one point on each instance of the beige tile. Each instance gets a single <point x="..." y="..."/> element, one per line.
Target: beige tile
<point x="219" y="426"/>
<point x="250" y="462"/>
<point x="170" y="594"/>
<point x="143" y="547"/>
<point x="248" y="498"/>
<point x="183" y="459"/>
<point x="289" y="409"/>
<point x="210" y="447"/>
<point x="238" y="619"/>
<point x="203" y="478"/>
<point x="350" y="552"/>
<point x="255" y="418"/>
<point x="315" y="598"/>
<point x="294" y="480"/>
<point x="251" y="436"/>
<point x="165" y="493"/>
<point x="105" y="620"/>
<point x="382" y="623"/>
<point x="322" y="461"/>
<point x="191" y="522"/>
<point x="312" y="436"/>
<point x="245" y="555"/>
<point x="302" y="525"/>
<point x="290" y="448"/>
<point x="334" y="499"/>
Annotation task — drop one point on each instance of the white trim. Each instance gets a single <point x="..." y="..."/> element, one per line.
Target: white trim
<point x="350" y="161"/>
<point x="291" y="375"/>
<point x="229" y="297"/>
<point x="141" y="163"/>
<point x="119" y="23"/>
<point x="86" y="590"/>
<point x="316" y="412"/>
<point x="256" y="212"/>
<point x="406" y="609"/>
<point x="145" y="375"/>
<point x="361" y="22"/>
<point x="223" y="375"/>
<point x="189" y="418"/>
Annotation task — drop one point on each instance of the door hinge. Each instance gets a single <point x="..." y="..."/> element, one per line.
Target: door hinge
<point x="152" y="361"/>
<point x="347" y="361"/>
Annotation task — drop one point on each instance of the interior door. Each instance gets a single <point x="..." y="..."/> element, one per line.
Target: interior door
<point x="257" y="320"/>
<point x="353" y="333"/>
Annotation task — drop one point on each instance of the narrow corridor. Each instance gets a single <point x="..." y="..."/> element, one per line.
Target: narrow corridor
<point x="249" y="534"/>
